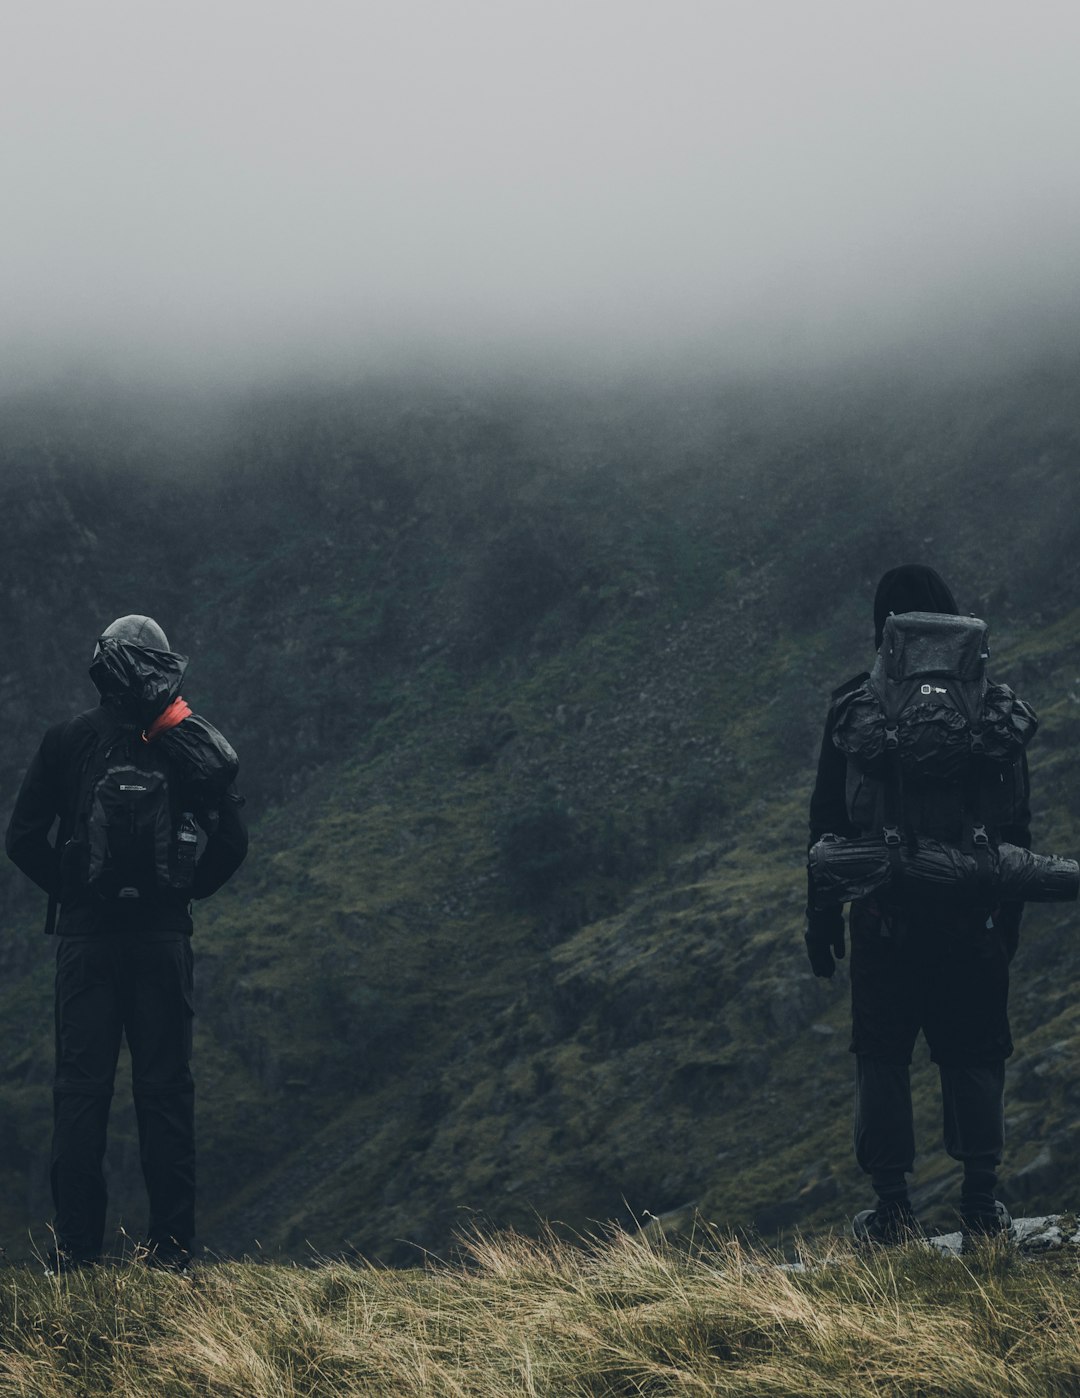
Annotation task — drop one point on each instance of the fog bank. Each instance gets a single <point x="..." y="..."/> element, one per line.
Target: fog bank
<point x="248" y="189"/>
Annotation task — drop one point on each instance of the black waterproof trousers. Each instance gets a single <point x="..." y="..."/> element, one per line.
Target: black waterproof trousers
<point x="946" y="975"/>
<point x="109" y="986"/>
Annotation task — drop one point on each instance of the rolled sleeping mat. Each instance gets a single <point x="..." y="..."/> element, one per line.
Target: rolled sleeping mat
<point x="841" y="870"/>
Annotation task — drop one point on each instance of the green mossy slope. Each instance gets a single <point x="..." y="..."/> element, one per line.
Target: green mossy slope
<point x="528" y="700"/>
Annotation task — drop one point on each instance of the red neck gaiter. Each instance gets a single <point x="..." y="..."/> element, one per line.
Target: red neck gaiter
<point x="177" y="711"/>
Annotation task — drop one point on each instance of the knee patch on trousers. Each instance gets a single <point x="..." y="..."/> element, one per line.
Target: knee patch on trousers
<point x="67" y="1087"/>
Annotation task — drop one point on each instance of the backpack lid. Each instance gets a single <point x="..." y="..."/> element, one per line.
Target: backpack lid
<point x="931" y="643"/>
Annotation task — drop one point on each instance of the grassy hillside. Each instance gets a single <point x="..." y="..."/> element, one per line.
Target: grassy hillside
<point x="527" y="688"/>
<point x="618" y="1317"/>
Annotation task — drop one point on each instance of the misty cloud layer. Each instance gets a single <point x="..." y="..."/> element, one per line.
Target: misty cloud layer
<point x="283" y="184"/>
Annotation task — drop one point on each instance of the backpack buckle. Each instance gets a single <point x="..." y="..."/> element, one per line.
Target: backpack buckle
<point x="892" y="836"/>
<point x="979" y="837"/>
<point x="892" y="736"/>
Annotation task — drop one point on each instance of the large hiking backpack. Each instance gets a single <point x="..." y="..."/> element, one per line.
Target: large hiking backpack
<point x="934" y="749"/>
<point x="128" y="836"/>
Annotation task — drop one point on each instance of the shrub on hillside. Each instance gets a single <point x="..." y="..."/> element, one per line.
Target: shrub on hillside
<point x="697" y="799"/>
<point x="522" y="575"/>
<point x="540" y="848"/>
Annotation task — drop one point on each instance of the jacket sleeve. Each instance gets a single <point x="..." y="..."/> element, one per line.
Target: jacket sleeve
<point x="39" y="802"/>
<point x="828" y="803"/>
<point x="226" y="846"/>
<point x="828" y="808"/>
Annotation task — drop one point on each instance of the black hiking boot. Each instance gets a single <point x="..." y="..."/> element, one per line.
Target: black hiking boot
<point x="889" y="1225"/>
<point x="59" y="1262"/>
<point x="984" y="1220"/>
<point x="167" y="1257"/>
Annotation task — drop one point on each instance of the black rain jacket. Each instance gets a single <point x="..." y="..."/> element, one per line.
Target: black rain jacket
<point x="910" y="588"/>
<point x="49" y="791"/>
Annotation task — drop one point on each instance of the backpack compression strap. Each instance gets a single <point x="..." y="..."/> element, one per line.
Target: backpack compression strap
<point x="980" y="839"/>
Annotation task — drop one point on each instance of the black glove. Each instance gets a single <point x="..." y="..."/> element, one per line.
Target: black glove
<point x="824" y="941"/>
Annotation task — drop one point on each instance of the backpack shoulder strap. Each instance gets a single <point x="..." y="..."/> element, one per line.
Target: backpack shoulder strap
<point x="849" y="686"/>
<point x="106" y="731"/>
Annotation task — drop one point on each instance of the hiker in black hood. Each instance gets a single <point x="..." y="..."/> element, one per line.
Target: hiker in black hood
<point x="148" y="820"/>
<point x="919" y="966"/>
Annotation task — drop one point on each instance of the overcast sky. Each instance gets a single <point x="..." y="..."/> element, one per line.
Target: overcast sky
<point x="269" y="181"/>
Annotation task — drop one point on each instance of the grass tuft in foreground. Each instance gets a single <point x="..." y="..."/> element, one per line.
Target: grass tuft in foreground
<point x="621" y="1316"/>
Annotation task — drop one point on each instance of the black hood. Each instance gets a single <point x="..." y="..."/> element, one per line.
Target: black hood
<point x="912" y="587"/>
<point x="134" y="671"/>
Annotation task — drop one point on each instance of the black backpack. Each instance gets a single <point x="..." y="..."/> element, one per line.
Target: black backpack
<point x="128" y="835"/>
<point x="933" y="747"/>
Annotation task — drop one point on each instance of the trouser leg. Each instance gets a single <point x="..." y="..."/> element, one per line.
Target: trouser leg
<point x="76" y="1175"/>
<point x="88" y="1032"/>
<point x="885" y="1025"/>
<point x="973" y="1103"/>
<point x="159" y="1025"/>
<point x="884" y="1126"/>
<point x="167" y="1154"/>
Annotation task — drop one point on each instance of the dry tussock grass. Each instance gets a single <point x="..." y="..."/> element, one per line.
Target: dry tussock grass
<point x="622" y="1315"/>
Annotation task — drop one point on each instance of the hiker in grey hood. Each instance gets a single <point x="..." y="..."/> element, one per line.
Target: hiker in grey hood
<point x="149" y="819"/>
<point x="134" y="670"/>
<point x="919" y="963"/>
